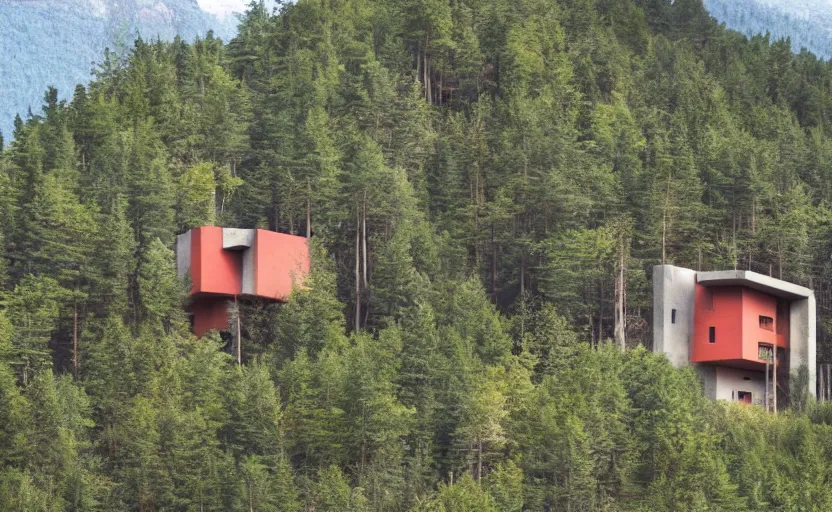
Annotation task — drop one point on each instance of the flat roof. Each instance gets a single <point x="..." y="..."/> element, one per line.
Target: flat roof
<point x="754" y="280"/>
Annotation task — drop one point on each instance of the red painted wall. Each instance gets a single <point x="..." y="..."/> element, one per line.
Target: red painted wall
<point x="214" y="270"/>
<point x="210" y="313"/>
<point x="755" y="304"/>
<point x="726" y="316"/>
<point x="736" y="316"/>
<point x="196" y="260"/>
<point x="279" y="260"/>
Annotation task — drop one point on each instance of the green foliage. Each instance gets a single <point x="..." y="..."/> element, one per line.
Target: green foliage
<point x="196" y="204"/>
<point x="487" y="186"/>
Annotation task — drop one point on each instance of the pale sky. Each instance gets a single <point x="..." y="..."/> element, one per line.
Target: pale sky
<point x="223" y="8"/>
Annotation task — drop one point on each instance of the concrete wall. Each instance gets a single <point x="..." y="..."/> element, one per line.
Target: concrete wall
<point x="673" y="288"/>
<point x="802" y="337"/>
<point x="707" y="374"/>
<point x="729" y="381"/>
<point x="236" y="239"/>
<point x="183" y="254"/>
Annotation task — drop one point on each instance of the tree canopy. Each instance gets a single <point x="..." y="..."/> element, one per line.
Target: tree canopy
<point x="486" y="185"/>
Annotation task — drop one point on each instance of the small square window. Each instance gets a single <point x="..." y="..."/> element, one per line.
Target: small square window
<point x="767" y="323"/>
<point x="711" y="334"/>
<point x="744" y="397"/>
<point x="765" y="352"/>
<point x="672" y="316"/>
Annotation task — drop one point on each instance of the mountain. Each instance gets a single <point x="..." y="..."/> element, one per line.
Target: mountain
<point x="808" y="23"/>
<point x="59" y="42"/>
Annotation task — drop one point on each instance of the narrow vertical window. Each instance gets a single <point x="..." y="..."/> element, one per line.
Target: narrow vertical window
<point x="672" y="316"/>
<point x="711" y="334"/>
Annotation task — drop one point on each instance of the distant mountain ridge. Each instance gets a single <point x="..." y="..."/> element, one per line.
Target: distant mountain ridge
<point x="808" y="23"/>
<point x="58" y="42"/>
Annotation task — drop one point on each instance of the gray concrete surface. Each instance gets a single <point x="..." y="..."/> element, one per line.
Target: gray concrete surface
<point x="183" y="254"/>
<point x="673" y="288"/>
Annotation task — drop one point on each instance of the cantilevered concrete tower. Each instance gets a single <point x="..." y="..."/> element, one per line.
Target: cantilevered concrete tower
<point x="225" y="264"/>
<point x="744" y="332"/>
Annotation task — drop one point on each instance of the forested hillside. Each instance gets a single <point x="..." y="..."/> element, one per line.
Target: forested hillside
<point x="487" y="185"/>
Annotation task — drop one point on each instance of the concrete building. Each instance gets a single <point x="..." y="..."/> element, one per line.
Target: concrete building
<point x="744" y="332"/>
<point x="226" y="264"/>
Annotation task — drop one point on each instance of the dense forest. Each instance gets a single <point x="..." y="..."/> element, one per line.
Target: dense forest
<point x="486" y="185"/>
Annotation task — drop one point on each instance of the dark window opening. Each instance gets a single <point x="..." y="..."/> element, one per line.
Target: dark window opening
<point x="746" y="378"/>
<point x="711" y="334"/>
<point x="782" y="308"/>
<point x="767" y="323"/>
<point x="765" y="352"/>
<point x="672" y="316"/>
<point x="744" y="397"/>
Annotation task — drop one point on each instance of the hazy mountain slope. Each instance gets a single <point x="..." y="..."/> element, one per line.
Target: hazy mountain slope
<point x="58" y="42"/>
<point x="807" y="22"/>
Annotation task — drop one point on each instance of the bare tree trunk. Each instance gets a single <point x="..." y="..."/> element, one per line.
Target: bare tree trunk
<point x="250" y="498"/>
<point x="600" y="315"/>
<point x="439" y="92"/>
<point x="733" y="238"/>
<point x="358" y="269"/>
<point x="239" y="334"/>
<point x="426" y="69"/>
<point x="774" y="352"/>
<point x="780" y="259"/>
<point x="308" y="209"/>
<point x="364" y="240"/>
<point x="664" y="222"/>
<point x="592" y="341"/>
<point x="276" y="226"/>
<point x="479" y="459"/>
<point x="523" y="274"/>
<point x="75" y="340"/>
<point x="620" y="313"/>
<point x="493" y="266"/>
<point x="418" y="64"/>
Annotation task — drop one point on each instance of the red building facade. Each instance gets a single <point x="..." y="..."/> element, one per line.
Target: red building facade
<point x="226" y="264"/>
<point x="738" y="326"/>
<point x="746" y="334"/>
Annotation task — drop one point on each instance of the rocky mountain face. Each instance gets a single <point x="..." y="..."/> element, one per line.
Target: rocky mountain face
<point x="59" y="43"/>
<point x="807" y="23"/>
